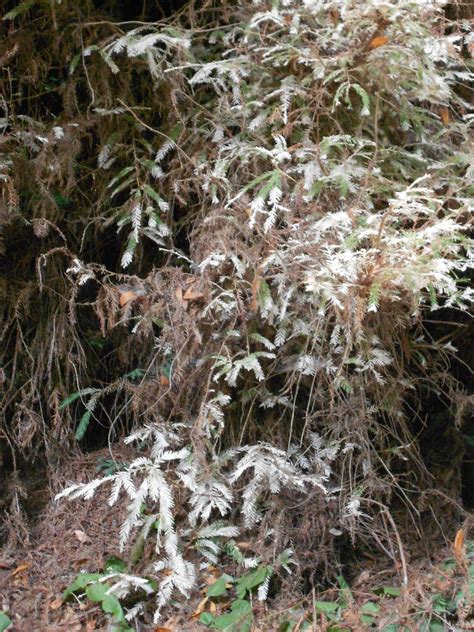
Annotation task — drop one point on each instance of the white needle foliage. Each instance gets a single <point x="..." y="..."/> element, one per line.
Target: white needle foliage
<point x="327" y="146"/>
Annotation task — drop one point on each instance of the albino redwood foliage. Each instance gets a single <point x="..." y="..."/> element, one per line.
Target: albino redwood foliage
<point x="319" y="153"/>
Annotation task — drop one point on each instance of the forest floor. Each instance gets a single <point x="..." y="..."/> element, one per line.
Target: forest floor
<point x="65" y="538"/>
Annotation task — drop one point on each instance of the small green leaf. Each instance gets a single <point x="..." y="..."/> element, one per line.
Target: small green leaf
<point x="239" y="619"/>
<point x="121" y="174"/>
<point x="251" y="580"/>
<point x="124" y="184"/>
<point x="343" y="186"/>
<point x="83" y="425"/>
<point x="207" y="618"/>
<point x="62" y="201"/>
<point x="73" y="396"/>
<point x="458" y="599"/>
<point x="218" y="588"/>
<point x="114" y="565"/>
<point x="136" y="374"/>
<point x="374" y="295"/>
<point x="328" y="608"/>
<point x="111" y="605"/>
<point x="370" y="608"/>
<point x="5" y="621"/>
<point x="152" y="193"/>
<point x="365" y="98"/>
<point x="442" y="604"/>
<point x="73" y="65"/>
<point x="69" y="399"/>
<point x="176" y="132"/>
<point x="23" y="7"/>
<point x="153" y="584"/>
<point x="342" y="582"/>
<point x="96" y="592"/>
<point x="346" y="594"/>
<point x="255" y="181"/>
<point x="241" y="606"/>
<point x="81" y="581"/>
<point x="388" y="591"/>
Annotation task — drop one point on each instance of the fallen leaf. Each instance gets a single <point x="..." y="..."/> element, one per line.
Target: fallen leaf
<point x="161" y="629"/>
<point x="179" y="297"/>
<point x="214" y="572"/>
<point x="192" y="295"/>
<point x="20" y="569"/>
<point x="200" y="609"/>
<point x="444" y="114"/>
<point x="378" y="41"/>
<point x="335" y="16"/>
<point x="126" y="297"/>
<point x="4" y="565"/>
<point x="212" y="608"/>
<point x="164" y="381"/>
<point x="363" y="578"/>
<point x="442" y="584"/>
<point x="255" y="288"/>
<point x="459" y="543"/>
<point x="81" y="536"/>
<point x="91" y="625"/>
<point x="81" y="561"/>
<point x="57" y="603"/>
<point x="22" y="580"/>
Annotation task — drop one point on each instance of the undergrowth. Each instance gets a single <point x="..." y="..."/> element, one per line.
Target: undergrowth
<point x="242" y="217"/>
<point x="436" y="599"/>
